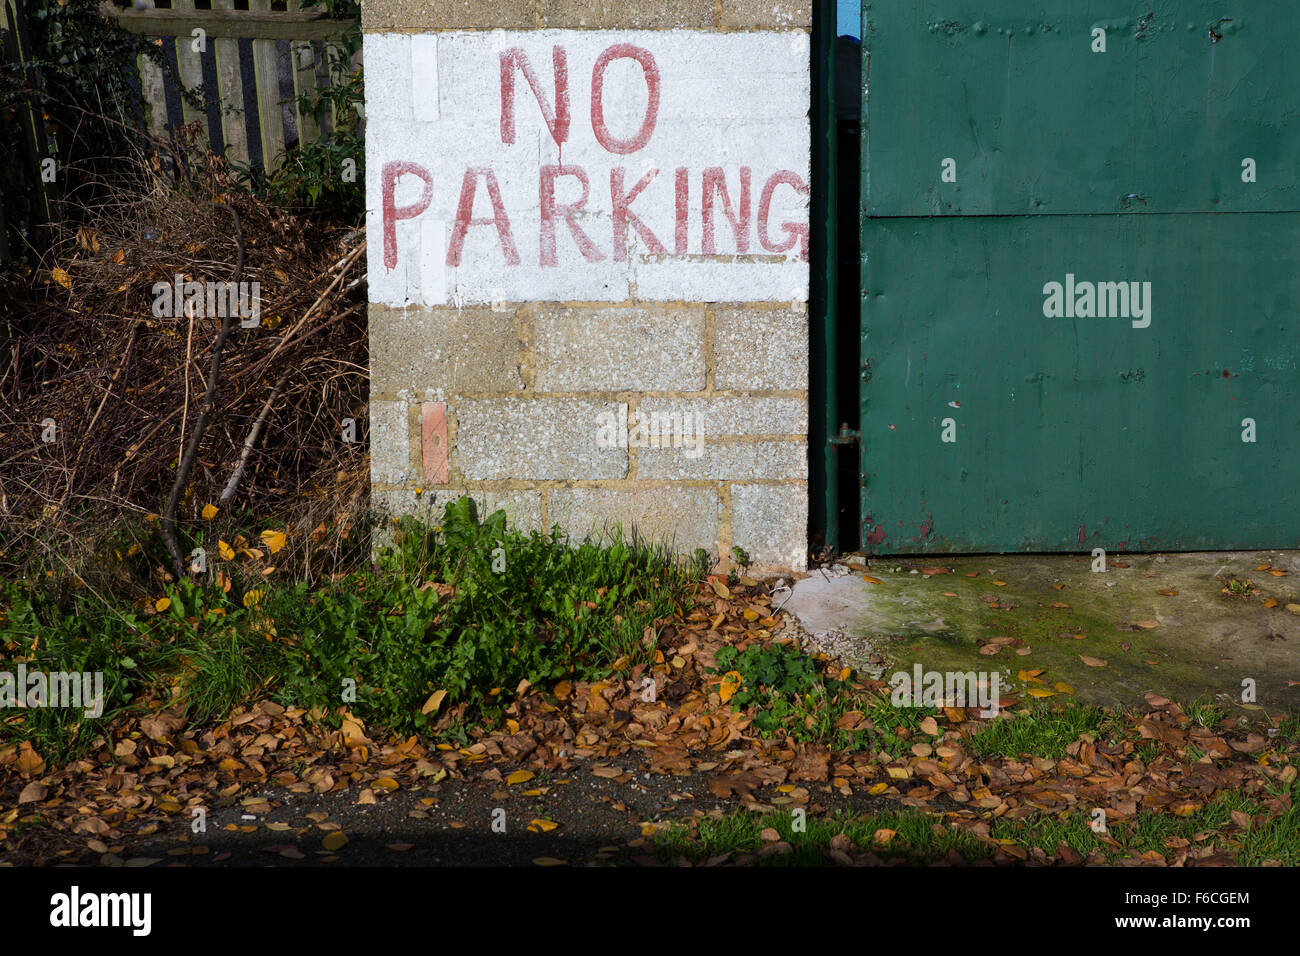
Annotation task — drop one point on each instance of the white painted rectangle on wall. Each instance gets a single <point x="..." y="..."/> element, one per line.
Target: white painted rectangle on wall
<point x="587" y="165"/>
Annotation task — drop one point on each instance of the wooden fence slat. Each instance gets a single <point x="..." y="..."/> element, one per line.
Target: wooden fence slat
<point x="228" y="23"/>
<point x="189" y="64"/>
<point x="267" y="79"/>
<point x="304" y="81"/>
<point x="231" y="91"/>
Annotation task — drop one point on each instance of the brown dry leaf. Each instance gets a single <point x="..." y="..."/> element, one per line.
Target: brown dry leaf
<point x="1092" y="661"/>
<point x="1262" y="567"/>
<point x="548" y="861"/>
<point x="1278" y="574"/>
<point x="1168" y="592"/>
<point x="930" y="726"/>
<point x="1270" y="602"/>
<point x="33" y="792"/>
<point x="720" y="589"/>
<point x="434" y="702"/>
<point x="1293" y="608"/>
<point x="563" y="689"/>
<point x="29" y="761"/>
<point x="869" y="579"/>
<point x="334" y="841"/>
<point x="1146" y="625"/>
<point x="934" y="570"/>
<point x="1059" y="604"/>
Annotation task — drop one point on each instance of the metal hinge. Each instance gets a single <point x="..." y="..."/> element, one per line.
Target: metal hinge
<point x="847" y="436"/>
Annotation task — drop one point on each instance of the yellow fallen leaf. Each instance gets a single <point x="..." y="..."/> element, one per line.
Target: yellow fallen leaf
<point x="1063" y="687"/>
<point x="730" y="684"/>
<point x="274" y="540"/>
<point x="62" y="278"/>
<point x="1039" y="692"/>
<point x="434" y="702"/>
<point x="162" y="604"/>
<point x="1293" y="608"/>
<point x="251" y="598"/>
<point x="1092" y="661"/>
<point x="210" y="512"/>
<point x="871" y="580"/>
<point x="538" y="825"/>
<point x="519" y="776"/>
<point x="386" y="783"/>
<point x="720" y="589"/>
<point x="226" y="551"/>
<point x="335" y="840"/>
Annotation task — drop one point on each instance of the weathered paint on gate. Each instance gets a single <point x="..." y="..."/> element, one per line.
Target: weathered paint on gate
<point x="1114" y="408"/>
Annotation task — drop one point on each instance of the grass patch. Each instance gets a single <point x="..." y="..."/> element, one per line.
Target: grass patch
<point x="468" y="607"/>
<point x="920" y="839"/>
<point x="1043" y="731"/>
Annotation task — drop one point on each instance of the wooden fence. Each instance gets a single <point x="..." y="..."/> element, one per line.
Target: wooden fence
<point x="248" y="66"/>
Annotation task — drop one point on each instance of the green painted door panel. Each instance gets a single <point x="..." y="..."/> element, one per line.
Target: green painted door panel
<point x="1081" y="432"/>
<point x="1035" y="122"/>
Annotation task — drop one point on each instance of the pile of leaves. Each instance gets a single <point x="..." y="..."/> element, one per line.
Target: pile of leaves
<point x="690" y="709"/>
<point x="99" y="393"/>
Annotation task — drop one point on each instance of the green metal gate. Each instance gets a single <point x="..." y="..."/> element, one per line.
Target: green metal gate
<point x="1080" y="276"/>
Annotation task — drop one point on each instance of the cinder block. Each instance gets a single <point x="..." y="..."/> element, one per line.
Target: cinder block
<point x="627" y="15"/>
<point x="417" y="16"/>
<point x="686" y="517"/>
<point x="390" y="443"/>
<point x="759" y="349"/>
<point x="726" y="461"/>
<point x="771" y="523"/>
<point x="764" y="14"/>
<point x="721" y="417"/>
<point x="620" y="349"/>
<point x="437" y="353"/>
<point x="535" y="439"/>
<point x="523" y="508"/>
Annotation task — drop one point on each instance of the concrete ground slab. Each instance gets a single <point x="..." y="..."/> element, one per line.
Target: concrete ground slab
<point x="1186" y="626"/>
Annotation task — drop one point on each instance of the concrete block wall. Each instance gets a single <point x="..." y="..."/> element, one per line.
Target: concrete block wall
<point x="582" y="212"/>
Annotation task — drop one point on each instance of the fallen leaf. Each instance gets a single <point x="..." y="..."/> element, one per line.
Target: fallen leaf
<point x="730" y="684"/>
<point x="519" y="776"/>
<point x="274" y="540"/>
<point x="162" y="604"/>
<point x="434" y="702"/>
<point x="539" y="825"/>
<point x="61" y="277"/>
<point x="32" y="792"/>
<point x="334" y="840"/>
<point x="1168" y="592"/>
<point x="1092" y="661"/>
